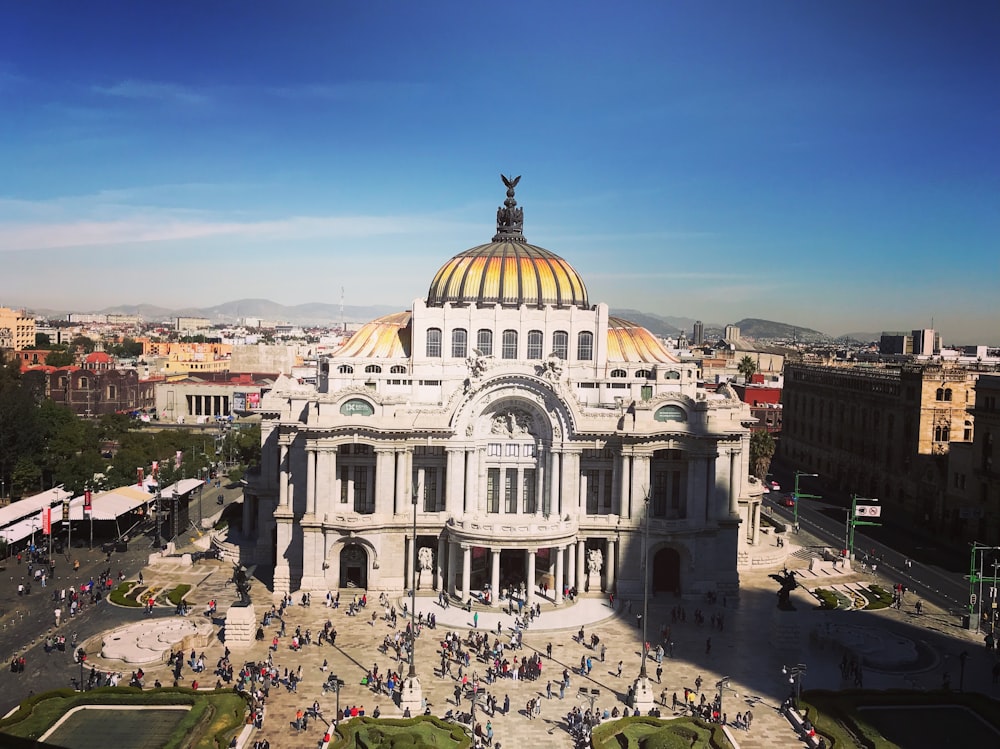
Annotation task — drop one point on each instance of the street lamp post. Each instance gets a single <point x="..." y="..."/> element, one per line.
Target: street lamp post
<point x="722" y="685"/>
<point x="159" y="514"/>
<point x="795" y="674"/>
<point x="642" y="691"/>
<point x="873" y="511"/>
<point x="410" y="695"/>
<point x="335" y="684"/>
<point x="797" y="495"/>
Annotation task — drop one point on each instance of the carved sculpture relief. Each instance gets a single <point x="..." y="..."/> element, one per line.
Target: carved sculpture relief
<point x="512" y="423"/>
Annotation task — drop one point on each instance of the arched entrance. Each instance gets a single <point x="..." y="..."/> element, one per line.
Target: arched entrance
<point x="353" y="566"/>
<point x="667" y="571"/>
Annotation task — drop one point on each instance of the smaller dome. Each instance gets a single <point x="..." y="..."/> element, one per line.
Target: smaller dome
<point x="628" y="342"/>
<point x="385" y="338"/>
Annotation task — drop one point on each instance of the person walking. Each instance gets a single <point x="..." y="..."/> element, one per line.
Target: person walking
<point x="620" y="665"/>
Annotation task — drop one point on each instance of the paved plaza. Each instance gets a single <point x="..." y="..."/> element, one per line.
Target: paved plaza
<point x="755" y="641"/>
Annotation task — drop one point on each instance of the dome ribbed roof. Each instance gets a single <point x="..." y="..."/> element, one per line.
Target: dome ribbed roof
<point x="628" y="342"/>
<point x="508" y="271"/>
<point x="510" y="274"/>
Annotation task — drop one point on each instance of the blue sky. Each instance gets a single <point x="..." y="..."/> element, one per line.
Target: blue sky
<point x="834" y="165"/>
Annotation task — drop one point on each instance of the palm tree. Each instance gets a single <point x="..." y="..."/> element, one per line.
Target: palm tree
<point x="761" y="452"/>
<point x="747" y="367"/>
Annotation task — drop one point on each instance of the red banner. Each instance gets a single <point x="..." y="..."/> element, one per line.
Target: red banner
<point x="47" y="521"/>
<point x="87" y="507"/>
<point x="140" y="475"/>
<point x="156" y="468"/>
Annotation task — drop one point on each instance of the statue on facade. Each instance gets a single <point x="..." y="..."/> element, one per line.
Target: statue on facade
<point x="425" y="558"/>
<point x="510" y="218"/>
<point x="477" y="364"/>
<point x="513" y="423"/>
<point x="552" y="369"/>
<point x="595" y="561"/>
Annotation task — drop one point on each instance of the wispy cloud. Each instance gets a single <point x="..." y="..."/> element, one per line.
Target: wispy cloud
<point x="153" y="90"/>
<point x="349" y="90"/>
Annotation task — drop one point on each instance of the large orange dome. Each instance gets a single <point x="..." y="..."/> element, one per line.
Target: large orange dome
<point x="508" y="271"/>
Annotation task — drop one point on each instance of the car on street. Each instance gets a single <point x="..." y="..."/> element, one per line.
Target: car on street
<point x="788" y="500"/>
<point x="775" y="486"/>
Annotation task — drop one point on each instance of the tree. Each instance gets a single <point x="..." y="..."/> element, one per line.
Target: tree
<point x="761" y="452"/>
<point x="747" y="367"/>
<point x="25" y="479"/>
<point x="20" y="431"/>
<point x="87" y="345"/>
<point x="60" y="359"/>
<point x="42" y="340"/>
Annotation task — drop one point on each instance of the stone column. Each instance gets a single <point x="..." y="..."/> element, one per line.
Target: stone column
<point x="581" y="565"/>
<point x="439" y="564"/>
<point x="283" y="476"/>
<point x="530" y="582"/>
<point x="640" y="483"/>
<point x="470" y="505"/>
<point x="570" y="483"/>
<point x="403" y="480"/>
<point x="454" y="482"/>
<point x="540" y="463"/>
<point x="571" y="565"/>
<point x="385" y="489"/>
<point x="452" y="568"/>
<point x="734" y="483"/>
<point x="616" y="486"/>
<point x="756" y="523"/>
<point x="625" y="496"/>
<point x="466" y="571"/>
<point x="494" y="576"/>
<point x="552" y="484"/>
<point x="311" y="480"/>
<point x="710" y="510"/>
<point x="609" y="566"/>
<point x="559" y="581"/>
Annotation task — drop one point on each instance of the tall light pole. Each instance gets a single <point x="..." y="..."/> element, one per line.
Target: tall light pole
<point x="795" y="674"/>
<point x="797" y="495"/>
<point x="642" y="691"/>
<point x="870" y="511"/>
<point x="411" y="695"/>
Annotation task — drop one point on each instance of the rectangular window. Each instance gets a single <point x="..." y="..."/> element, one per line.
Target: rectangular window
<point x="493" y="490"/>
<point x="647" y="392"/>
<point x="344" y="483"/>
<point x="528" y="491"/>
<point x="430" y="490"/>
<point x="606" y="495"/>
<point x="560" y="344"/>
<point x="510" y="491"/>
<point x="529" y="450"/>
<point x="592" y="477"/>
<point x="512" y="449"/>
<point x="659" y="508"/>
<point x="585" y="346"/>
<point x="361" y="490"/>
<point x="509" y="344"/>
<point x="534" y="344"/>
<point x="484" y="342"/>
<point x="459" y="343"/>
<point x="493" y="449"/>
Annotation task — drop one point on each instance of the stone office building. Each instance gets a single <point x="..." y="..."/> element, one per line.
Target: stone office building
<point x="522" y="429"/>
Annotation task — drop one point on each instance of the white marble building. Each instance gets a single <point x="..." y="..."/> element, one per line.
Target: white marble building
<point x="526" y="427"/>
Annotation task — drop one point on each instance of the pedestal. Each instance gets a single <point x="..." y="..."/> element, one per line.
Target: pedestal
<point x="642" y="694"/>
<point x="411" y="696"/>
<point x="594" y="582"/>
<point x="241" y="623"/>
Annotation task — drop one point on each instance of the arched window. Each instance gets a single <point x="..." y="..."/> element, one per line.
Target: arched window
<point x="672" y="375"/>
<point x="534" y="344"/>
<point x="345" y="369"/>
<point x="83" y="382"/>
<point x="947" y="394"/>
<point x="939" y="394"/>
<point x="585" y="346"/>
<point x="670" y="413"/>
<point x="619" y="373"/>
<point x="484" y="342"/>
<point x="560" y="344"/>
<point x="967" y="434"/>
<point x="397" y="369"/>
<point x="373" y="369"/>
<point x="642" y="374"/>
<point x="509" y="344"/>
<point x="433" y="343"/>
<point x="459" y="343"/>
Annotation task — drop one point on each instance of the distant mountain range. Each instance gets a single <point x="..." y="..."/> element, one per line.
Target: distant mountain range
<point x="317" y="313"/>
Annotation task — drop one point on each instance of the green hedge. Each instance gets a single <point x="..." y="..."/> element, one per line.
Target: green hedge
<point x="835" y="714"/>
<point x="656" y="733"/>
<point x="828" y="599"/>
<point x="216" y="715"/>
<point x="120" y="594"/>
<point x="880" y="598"/>
<point x="422" y="732"/>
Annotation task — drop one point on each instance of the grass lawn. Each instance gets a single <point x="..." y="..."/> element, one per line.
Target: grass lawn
<point x="211" y="722"/>
<point x="931" y="718"/>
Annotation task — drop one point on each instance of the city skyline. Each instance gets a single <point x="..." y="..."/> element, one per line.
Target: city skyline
<point x="833" y="167"/>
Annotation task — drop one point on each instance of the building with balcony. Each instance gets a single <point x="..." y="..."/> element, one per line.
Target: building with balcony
<point x="879" y="431"/>
<point x="526" y="432"/>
